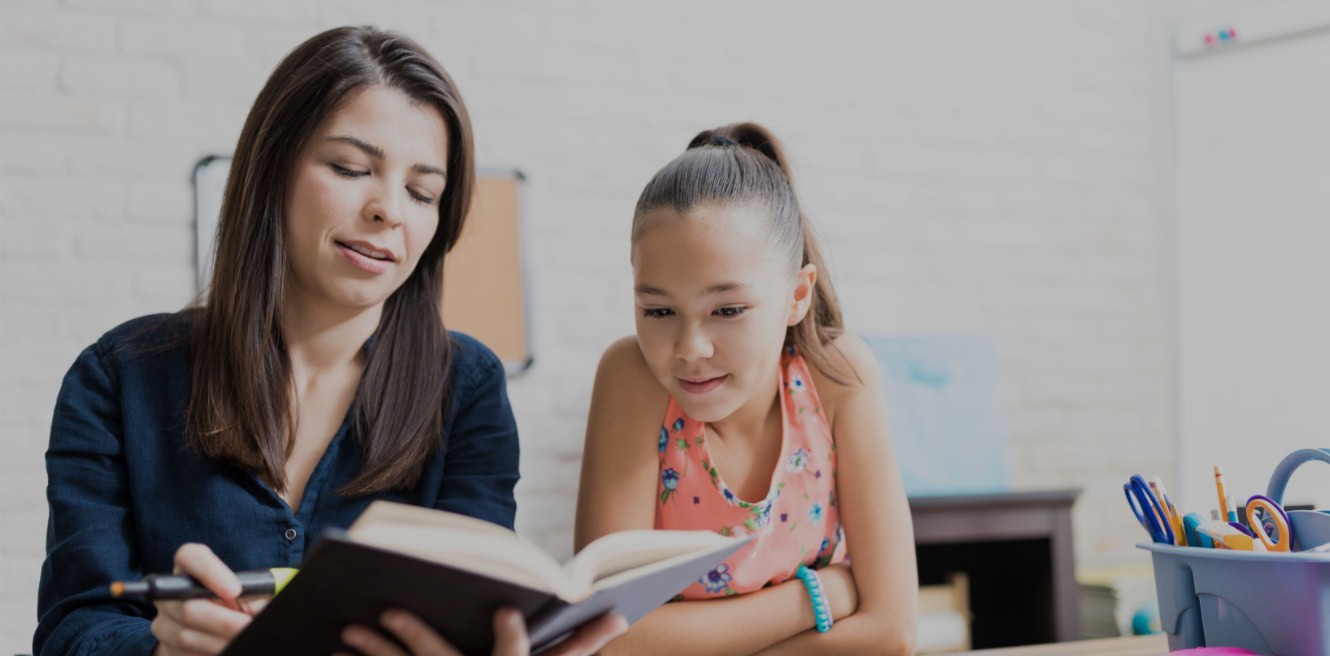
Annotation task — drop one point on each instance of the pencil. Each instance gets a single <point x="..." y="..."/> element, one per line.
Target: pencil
<point x="1219" y="486"/>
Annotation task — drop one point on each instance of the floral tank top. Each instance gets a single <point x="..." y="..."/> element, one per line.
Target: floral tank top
<point x="797" y="522"/>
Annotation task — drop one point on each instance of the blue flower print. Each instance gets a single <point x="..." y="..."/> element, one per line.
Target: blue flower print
<point x="797" y="461"/>
<point x="670" y="480"/>
<point x="717" y="580"/>
<point x="815" y="513"/>
<point x="664" y="439"/>
<point x="790" y="349"/>
<point x="824" y="556"/>
<point x="730" y="498"/>
<point x="678" y="424"/>
<point x="797" y="384"/>
<point x="763" y="514"/>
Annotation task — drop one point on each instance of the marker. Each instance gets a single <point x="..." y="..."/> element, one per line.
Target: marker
<point x="1219" y="486"/>
<point x="181" y="586"/>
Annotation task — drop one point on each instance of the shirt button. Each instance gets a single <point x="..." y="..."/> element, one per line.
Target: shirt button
<point x="290" y="534"/>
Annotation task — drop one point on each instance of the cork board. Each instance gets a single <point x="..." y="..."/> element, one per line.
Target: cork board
<point x="484" y="281"/>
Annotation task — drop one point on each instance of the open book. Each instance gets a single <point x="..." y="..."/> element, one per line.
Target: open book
<point x="454" y="571"/>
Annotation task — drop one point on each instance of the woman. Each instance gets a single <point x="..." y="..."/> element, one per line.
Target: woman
<point x="315" y="378"/>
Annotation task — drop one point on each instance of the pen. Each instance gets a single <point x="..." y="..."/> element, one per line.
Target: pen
<point x="1219" y="486"/>
<point x="181" y="586"/>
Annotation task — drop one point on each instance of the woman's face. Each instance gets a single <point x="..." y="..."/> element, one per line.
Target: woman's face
<point x="363" y="202"/>
<point x="713" y="304"/>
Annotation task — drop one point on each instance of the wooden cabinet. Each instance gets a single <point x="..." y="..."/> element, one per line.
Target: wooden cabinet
<point x="1016" y="548"/>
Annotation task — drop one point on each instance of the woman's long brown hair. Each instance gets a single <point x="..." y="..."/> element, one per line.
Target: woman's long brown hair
<point x="240" y="392"/>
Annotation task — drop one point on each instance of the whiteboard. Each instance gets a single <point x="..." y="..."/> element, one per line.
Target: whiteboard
<point x="1252" y="233"/>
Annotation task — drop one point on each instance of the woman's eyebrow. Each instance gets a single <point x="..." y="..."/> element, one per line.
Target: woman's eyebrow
<point x="370" y="149"/>
<point x="377" y="153"/>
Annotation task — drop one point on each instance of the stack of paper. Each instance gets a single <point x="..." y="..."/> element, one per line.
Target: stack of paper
<point x="944" y="616"/>
<point x="1112" y="596"/>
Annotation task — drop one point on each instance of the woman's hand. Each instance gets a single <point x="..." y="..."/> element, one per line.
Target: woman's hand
<point x="510" y="638"/>
<point x="202" y="626"/>
<point x="842" y="592"/>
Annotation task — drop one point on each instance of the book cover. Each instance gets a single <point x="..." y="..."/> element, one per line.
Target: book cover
<point x="345" y="581"/>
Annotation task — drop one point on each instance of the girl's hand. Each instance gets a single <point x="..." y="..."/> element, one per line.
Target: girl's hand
<point x="202" y="626"/>
<point x="842" y="592"/>
<point x="510" y="638"/>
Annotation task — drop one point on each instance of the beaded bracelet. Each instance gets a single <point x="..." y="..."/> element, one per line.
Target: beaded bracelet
<point x="821" y="607"/>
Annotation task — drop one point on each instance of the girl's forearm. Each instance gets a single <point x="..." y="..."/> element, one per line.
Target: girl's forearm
<point x="858" y="634"/>
<point x="743" y="624"/>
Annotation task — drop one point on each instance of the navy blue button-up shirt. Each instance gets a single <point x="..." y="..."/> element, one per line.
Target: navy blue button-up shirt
<point x="126" y="490"/>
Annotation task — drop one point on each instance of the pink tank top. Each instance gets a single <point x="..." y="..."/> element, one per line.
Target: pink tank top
<point x="797" y="522"/>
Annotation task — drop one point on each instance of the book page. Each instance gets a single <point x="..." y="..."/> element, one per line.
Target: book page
<point x="388" y="512"/>
<point x="620" y="552"/>
<point x="479" y="546"/>
<point x="459" y="541"/>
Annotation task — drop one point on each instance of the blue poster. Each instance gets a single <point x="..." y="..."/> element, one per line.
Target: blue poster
<point x="944" y="410"/>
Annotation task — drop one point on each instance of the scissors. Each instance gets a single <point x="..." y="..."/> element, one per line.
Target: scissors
<point x="1148" y="510"/>
<point x="1272" y="520"/>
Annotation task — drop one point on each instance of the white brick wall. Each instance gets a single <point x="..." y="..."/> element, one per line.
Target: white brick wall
<point x="974" y="166"/>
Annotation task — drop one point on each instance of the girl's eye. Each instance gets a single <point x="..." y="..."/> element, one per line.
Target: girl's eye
<point x="423" y="199"/>
<point x="347" y="173"/>
<point x="657" y="313"/>
<point x="731" y="312"/>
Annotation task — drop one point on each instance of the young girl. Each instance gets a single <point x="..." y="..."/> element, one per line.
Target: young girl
<point x="741" y="407"/>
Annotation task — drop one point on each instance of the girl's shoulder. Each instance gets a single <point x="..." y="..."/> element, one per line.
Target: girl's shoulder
<point x="624" y="374"/>
<point x="853" y="374"/>
<point x="624" y="361"/>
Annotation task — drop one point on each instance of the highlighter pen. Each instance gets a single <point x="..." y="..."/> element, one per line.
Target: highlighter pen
<point x="180" y="586"/>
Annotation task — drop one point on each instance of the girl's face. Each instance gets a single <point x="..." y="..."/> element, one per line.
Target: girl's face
<point x="714" y="300"/>
<point x="363" y="202"/>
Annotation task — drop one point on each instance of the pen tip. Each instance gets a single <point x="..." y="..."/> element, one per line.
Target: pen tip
<point x="129" y="588"/>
